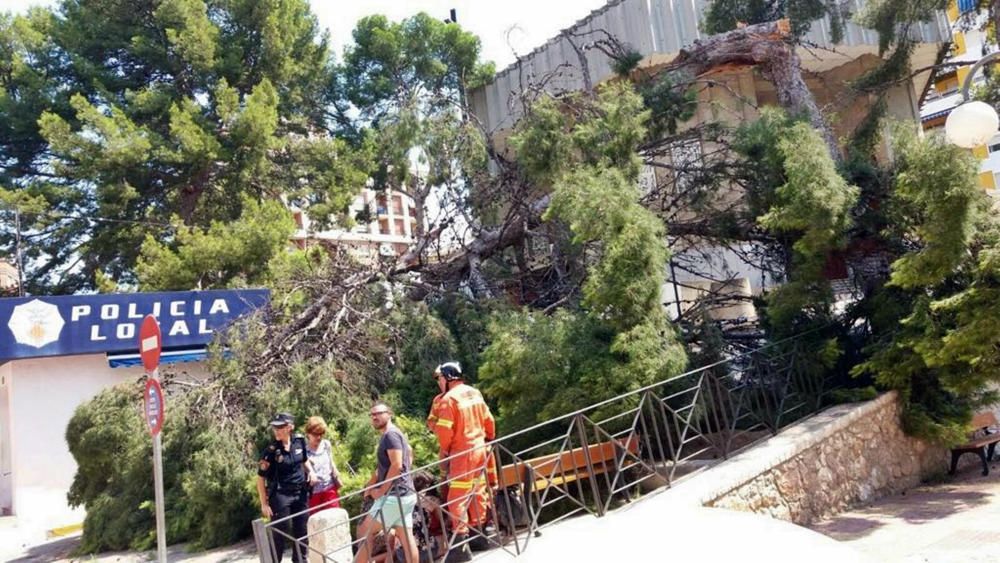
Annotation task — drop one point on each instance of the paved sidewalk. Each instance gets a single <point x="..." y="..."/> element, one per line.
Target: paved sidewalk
<point x="60" y="550"/>
<point x="956" y="520"/>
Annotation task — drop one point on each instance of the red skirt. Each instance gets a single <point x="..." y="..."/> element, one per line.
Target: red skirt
<point x="329" y="498"/>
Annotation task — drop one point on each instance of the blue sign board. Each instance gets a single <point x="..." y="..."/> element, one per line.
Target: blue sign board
<point x="32" y="327"/>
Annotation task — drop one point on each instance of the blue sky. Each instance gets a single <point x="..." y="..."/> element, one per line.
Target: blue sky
<point x="501" y="25"/>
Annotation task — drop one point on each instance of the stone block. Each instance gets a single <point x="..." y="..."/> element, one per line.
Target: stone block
<point x="330" y="536"/>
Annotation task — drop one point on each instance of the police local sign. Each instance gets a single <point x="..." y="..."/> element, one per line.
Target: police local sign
<point x="32" y="327"/>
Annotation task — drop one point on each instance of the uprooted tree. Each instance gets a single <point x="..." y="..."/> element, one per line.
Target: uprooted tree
<point x="179" y="131"/>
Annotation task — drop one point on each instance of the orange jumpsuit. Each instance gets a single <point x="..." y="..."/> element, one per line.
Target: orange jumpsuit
<point x="464" y="422"/>
<point x="432" y="417"/>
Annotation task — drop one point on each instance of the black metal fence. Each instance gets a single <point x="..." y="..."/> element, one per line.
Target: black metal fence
<point x="594" y="459"/>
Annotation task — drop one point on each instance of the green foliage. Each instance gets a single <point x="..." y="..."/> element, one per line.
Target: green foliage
<point x="669" y="101"/>
<point x="123" y="119"/>
<point x="856" y="395"/>
<point x="469" y="325"/>
<point x="426" y="343"/>
<point x="226" y="254"/>
<point x="600" y="204"/>
<point x="209" y="454"/>
<point x="932" y="331"/>
<point x="420" y="51"/>
<point x="814" y="206"/>
<point x="113" y="468"/>
<point x="798" y="194"/>
<point x="724" y="15"/>
<point x="574" y="130"/>
<point x="537" y="366"/>
<point x="894" y="20"/>
<point x="406" y="80"/>
<point x="540" y="142"/>
<point x="628" y="61"/>
<point x="937" y="204"/>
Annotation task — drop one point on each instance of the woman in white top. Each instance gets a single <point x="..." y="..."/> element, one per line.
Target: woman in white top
<point x="326" y="487"/>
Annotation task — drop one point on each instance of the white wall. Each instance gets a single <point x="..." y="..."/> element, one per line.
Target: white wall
<point x="6" y="466"/>
<point x="43" y="396"/>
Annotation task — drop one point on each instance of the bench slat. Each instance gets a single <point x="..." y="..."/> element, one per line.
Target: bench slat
<point x="573" y="462"/>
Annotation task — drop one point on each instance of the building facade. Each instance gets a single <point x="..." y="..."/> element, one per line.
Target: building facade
<point x="386" y="223"/>
<point x="8" y="278"/>
<point x="58" y="352"/>
<point x="969" y="44"/>
<point x="659" y="29"/>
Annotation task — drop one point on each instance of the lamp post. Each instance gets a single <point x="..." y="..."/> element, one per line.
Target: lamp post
<point x="972" y="123"/>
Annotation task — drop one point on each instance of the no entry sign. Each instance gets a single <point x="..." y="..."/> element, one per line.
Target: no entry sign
<point x="150" y="343"/>
<point x="153" y="406"/>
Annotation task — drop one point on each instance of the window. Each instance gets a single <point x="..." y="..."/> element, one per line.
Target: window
<point x="966" y="5"/>
<point x="647" y="180"/>
<point x="946" y="86"/>
<point x="686" y="158"/>
<point x="994" y="147"/>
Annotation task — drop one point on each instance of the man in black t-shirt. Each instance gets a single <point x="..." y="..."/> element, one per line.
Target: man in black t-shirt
<point x="391" y="487"/>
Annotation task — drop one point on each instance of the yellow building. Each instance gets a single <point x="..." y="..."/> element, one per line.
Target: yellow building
<point x="969" y="45"/>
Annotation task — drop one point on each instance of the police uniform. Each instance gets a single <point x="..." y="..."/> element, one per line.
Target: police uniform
<point x="287" y="489"/>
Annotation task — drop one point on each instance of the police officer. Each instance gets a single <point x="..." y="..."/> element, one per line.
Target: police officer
<point x="283" y="478"/>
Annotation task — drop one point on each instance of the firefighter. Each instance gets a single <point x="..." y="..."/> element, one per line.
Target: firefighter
<point x="463" y="424"/>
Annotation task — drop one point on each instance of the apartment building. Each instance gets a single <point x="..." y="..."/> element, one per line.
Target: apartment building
<point x="385" y="225"/>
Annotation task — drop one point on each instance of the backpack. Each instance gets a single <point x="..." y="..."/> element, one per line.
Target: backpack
<point x="511" y="510"/>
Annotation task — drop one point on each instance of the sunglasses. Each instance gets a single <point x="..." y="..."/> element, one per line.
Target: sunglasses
<point x="376" y="413"/>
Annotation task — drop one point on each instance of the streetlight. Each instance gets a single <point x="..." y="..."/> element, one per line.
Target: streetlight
<point x="972" y="123"/>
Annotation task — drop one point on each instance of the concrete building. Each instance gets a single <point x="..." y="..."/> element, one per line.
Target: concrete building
<point x="8" y="277"/>
<point x="969" y="44"/>
<point x="58" y="352"/>
<point x="659" y="29"/>
<point x="386" y="224"/>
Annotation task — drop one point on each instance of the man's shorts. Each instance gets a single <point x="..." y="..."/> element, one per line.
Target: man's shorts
<point x="393" y="511"/>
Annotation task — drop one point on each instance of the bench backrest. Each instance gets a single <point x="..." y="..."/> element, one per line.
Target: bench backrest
<point x="569" y="462"/>
<point x="984" y="419"/>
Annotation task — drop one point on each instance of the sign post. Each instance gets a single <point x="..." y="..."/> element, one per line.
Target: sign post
<point x="150" y="346"/>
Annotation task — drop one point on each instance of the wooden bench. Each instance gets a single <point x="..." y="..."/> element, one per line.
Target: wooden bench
<point x="983" y="446"/>
<point x="537" y="474"/>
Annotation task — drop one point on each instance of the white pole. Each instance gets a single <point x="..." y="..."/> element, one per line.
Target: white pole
<point x="161" y="533"/>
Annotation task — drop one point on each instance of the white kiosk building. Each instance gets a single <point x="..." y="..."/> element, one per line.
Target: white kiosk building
<point x="58" y="352"/>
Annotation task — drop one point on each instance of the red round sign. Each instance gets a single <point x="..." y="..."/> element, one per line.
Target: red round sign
<point x="153" y="406"/>
<point x="150" y="343"/>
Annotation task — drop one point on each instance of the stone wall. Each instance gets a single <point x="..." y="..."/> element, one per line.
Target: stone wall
<point x="860" y="454"/>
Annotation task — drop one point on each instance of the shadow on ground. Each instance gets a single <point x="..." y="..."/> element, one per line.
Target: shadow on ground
<point x="925" y="504"/>
<point x="61" y="551"/>
<point x="848" y="528"/>
<point x="57" y="550"/>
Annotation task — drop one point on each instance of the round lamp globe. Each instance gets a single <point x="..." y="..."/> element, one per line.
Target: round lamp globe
<point x="971" y="124"/>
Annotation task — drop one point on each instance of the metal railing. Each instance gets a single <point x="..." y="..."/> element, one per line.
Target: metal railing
<point x="594" y="459"/>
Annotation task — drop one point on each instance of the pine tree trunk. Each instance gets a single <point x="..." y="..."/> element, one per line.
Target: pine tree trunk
<point x="768" y="47"/>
